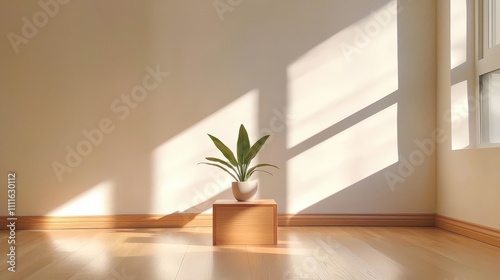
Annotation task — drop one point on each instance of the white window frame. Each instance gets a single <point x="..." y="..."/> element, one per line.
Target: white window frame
<point x="487" y="60"/>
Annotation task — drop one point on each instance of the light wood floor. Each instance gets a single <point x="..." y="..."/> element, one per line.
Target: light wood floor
<point x="302" y="253"/>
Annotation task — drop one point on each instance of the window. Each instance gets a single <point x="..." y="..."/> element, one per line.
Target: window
<point x="488" y="71"/>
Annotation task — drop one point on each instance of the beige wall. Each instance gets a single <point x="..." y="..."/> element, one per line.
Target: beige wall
<point x="356" y="109"/>
<point x="468" y="179"/>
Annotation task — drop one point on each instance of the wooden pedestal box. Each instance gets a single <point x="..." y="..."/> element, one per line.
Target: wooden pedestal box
<point x="248" y="222"/>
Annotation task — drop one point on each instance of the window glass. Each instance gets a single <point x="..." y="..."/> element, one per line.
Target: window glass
<point x="494" y="24"/>
<point x="490" y="107"/>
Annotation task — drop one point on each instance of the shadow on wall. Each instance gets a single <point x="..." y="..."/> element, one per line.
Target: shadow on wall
<point x="133" y="90"/>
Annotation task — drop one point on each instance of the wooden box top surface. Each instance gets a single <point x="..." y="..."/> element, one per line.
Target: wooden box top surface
<point x="251" y="202"/>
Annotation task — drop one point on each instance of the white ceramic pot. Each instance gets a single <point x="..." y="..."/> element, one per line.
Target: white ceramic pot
<point x="244" y="191"/>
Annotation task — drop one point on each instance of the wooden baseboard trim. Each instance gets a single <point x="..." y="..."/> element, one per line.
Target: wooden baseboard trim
<point x="474" y="231"/>
<point x="386" y="220"/>
<point x="113" y="221"/>
<point x="205" y="220"/>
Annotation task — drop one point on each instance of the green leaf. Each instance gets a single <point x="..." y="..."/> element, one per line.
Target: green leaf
<point x="243" y="174"/>
<point x="243" y="144"/>
<point x="221" y="167"/>
<point x="261" y="165"/>
<point x="224" y="150"/>
<point x="224" y="163"/>
<point x="257" y="170"/>
<point x="255" y="149"/>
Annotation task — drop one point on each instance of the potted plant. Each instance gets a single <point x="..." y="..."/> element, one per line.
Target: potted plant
<point x="239" y="166"/>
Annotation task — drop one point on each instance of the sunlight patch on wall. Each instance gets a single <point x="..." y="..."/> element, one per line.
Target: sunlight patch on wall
<point x="344" y="74"/>
<point x="97" y="200"/>
<point x="178" y="182"/>
<point x="339" y="162"/>
<point x="459" y="116"/>
<point x="458" y="32"/>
